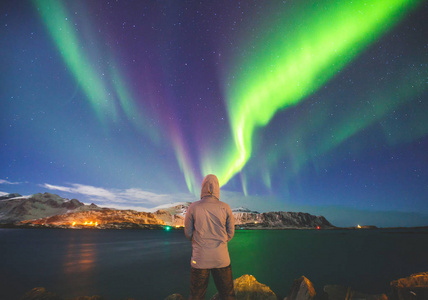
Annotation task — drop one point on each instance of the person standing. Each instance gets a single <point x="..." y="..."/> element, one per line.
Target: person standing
<point x="209" y="224"/>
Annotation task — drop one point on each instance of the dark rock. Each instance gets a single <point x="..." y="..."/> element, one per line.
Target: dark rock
<point x="302" y="289"/>
<point x="88" y="298"/>
<point x="338" y="292"/>
<point x="175" y="297"/>
<point x="53" y="203"/>
<point x="40" y="293"/>
<point x="414" y="287"/>
<point x="247" y="287"/>
<point x="72" y="204"/>
<point x="21" y="208"/>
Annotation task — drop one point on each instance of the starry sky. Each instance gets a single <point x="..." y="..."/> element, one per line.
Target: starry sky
<point x="307" y="106"/>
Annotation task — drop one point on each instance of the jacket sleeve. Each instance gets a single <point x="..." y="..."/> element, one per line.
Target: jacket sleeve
<point x="188" y="223"/>
<point x="230" y="224"/>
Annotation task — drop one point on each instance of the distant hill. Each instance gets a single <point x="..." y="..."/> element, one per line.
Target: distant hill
<point x="53" y="210"/>
<point x="16" y="208"/>
<point x="279" y="220"/>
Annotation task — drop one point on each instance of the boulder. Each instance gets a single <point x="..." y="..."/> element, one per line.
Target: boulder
<point x="414" y="287"/>
<point x="338" y="292"/>
<point x="88" y="298"/>
<point x="175" y="297"/>
<point x="302" y="289"/>
<point x="40" y="293"/>
<point x="247" y="287"/>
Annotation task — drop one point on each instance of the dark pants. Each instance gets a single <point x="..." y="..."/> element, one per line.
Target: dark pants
<point x="222" y="278"/>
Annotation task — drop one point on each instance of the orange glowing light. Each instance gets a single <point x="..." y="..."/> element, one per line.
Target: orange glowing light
<point x="318" y="227"/>
<point x="74" y="223"/>
<point x="358" y="226"/>
<point x="96" y="223"/>
<point x="85" y="223"/>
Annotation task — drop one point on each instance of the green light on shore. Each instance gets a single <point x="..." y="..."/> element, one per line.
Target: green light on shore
<point x="167" y="228"/>
<point x="296" y="56"/>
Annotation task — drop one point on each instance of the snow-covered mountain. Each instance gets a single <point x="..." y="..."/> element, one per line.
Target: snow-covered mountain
<point x="52" y="209"/>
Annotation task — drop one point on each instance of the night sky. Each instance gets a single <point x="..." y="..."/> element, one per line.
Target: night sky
<point x="314" y="106"/>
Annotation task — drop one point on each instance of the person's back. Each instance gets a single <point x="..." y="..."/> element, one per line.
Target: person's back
<point x="209" y="224"/>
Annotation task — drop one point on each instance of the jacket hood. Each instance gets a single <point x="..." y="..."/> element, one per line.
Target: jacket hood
<point x="210" y="187"/>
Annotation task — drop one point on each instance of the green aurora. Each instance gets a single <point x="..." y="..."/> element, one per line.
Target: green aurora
<point x="287" y="60"/>
<point x="93" y="79"/>
<point x="296" y="57"/>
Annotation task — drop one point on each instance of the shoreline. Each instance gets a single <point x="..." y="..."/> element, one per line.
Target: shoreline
<point x="122" y="226"/>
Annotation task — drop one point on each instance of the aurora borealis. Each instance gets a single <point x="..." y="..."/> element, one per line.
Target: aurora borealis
<point x="293" y="105"/>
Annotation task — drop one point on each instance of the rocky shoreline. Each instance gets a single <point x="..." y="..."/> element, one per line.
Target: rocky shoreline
<point x="414" y="287"/>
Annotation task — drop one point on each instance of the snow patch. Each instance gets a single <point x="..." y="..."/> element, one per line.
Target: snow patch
<point x="22" y="197"/>
<point x="16" y="198"/>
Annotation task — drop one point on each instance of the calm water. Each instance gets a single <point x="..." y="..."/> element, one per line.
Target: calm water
<point x="155" y="264"/>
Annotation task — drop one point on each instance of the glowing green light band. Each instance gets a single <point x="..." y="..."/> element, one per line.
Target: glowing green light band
<point x="294" y="62"/>
<point x="64" y="34"/>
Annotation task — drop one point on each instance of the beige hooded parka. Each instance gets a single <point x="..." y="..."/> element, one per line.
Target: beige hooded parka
<point x="209" y="224"/>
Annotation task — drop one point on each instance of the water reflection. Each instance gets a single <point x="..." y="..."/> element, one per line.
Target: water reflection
<point x="79" y="258"/>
